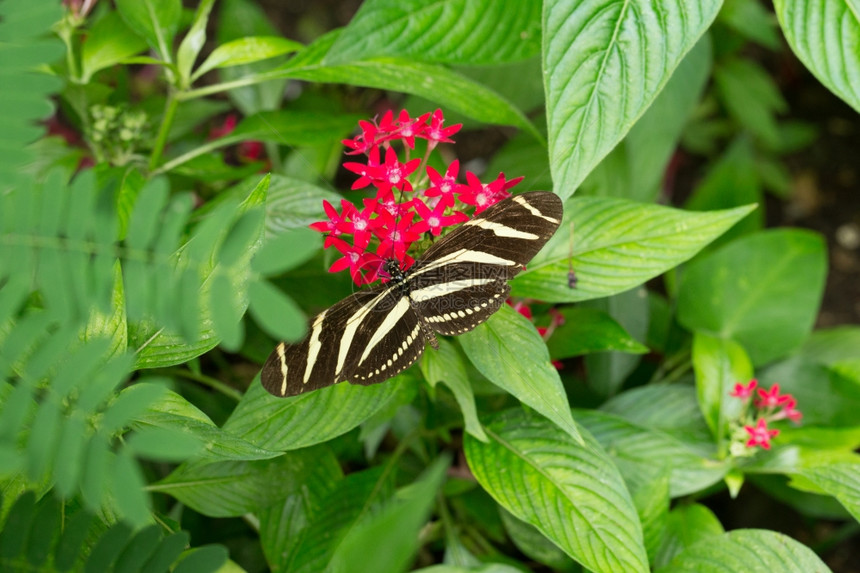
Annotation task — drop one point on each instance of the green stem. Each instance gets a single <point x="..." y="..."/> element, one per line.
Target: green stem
<point x="213" y="383"/>
<point x="163" y="131"/>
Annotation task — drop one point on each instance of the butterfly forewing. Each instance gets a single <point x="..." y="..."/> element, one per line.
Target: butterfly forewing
<point x="456" y="285"/>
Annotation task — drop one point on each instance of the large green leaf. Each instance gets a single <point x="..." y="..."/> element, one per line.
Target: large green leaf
<point x="635" y="168"/>
<point x="109" y="42"/>
<point x="175" y="412"/>
<point x="719" y="364"/>
<point x="762" y="291"/>
<point x="824" y="34"/>
<point x="572" y="493"/>
<point x="841" y="480"/>
<point x="453" y="31"/>
<point x="642" y="448"/>
<point x="590" y="330"/>
<point x="509" y="351"/>
<point x="617" y="245"/>
<point x="433" y="82"/>
<point x="390" y="537"/>
<point x="446" y="365"/>
<point x="234" y="488"/>
<point x="604" y="63"/>
<point x="155" y="20"/>
<point x="292" y="423"/>
<point x="686" y="525"/>
<point x="747" y="550"/>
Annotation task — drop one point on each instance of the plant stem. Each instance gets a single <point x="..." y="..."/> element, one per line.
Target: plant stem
<point x="166" y="123"/>
<point x="213" y="383"/>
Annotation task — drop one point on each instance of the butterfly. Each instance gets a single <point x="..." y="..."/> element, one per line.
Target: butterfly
<point x="457" y="284"/>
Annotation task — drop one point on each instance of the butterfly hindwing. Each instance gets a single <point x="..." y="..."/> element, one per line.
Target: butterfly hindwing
<point x="330" y="350"/>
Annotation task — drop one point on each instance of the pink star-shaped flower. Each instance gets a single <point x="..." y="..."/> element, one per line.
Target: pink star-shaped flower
<point x="744" y="391"/>
<point x="760" y="435"/>
<point x="435" y="219"/>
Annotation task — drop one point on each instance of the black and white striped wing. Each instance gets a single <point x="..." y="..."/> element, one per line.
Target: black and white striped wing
<point x="462" y="279"/>
<point x="366" y="338"/>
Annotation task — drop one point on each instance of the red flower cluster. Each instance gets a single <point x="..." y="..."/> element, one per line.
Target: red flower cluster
<point x="409" y="201"/>
<point x="770" y="406"/>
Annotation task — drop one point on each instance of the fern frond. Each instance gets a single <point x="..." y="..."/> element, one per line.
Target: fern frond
<point x="38" y="536"/>
<point x="24" y="48"/>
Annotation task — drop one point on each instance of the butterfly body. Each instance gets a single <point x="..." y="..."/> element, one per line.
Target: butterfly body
<point x="455" y="285"/>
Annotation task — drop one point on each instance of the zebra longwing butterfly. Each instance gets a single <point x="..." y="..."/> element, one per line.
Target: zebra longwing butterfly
<point x="455" y="285"/>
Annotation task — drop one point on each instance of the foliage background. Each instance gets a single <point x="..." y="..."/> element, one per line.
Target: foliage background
<point x="131" y="430"/>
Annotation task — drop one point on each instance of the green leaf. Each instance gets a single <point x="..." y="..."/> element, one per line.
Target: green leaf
<point x="616" y="246"/>
<point x="286" y="251"/>
<point x="292" y="423"/>
<point x="277" y="314"/>
<point x="588" y="330"/>
<point x="636" y="167"/>
<point x="131" y="402"/>
<point x="751" y="97"/>
<point x="205" y="558"/>
<point x="533" y="544"/>
<point x="824" y="34"/>
<point x="639" y="445"/>
<point x="294" y="204"/>
<point x="155" y="20"/>
<point x="719" y="365"/>
<point x="354" y="500"/>
<point x="608" y="370"/>
<point x="127" y="489"/>
<point x="604" y="63"/>
<point x="839" y="480"/>
<point x="762" y="291"/>
<point x="390" y="538"/>
<point x="163" y="444"/>
<point x="109" y="42"/>
<point x="225" y="489"/>
<point x="730" y="182"/>
<point x="433" y="82"/>
<point x="830" y="346"/>
<point x="753" y="21"/>
<point x="686" y="525"/>
<point x="174" y="412"/>
<point x="446" y="366"/>
<point x="226" y="311"/>
<point x="572" y="493"/>
<point x="291" y="127"/>
<point x="193" y="41"/>
<point x="748" y="550"/>
<point x="482" y="32"/>
<point x="245" y="51"/>
<point x="508" y="350"/>
<point x="283" y="527"/>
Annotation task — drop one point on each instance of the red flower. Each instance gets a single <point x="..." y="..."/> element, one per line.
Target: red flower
<point x="392" y="173"/>
<point x="760" y="435"/>
<point x="790" y="412"/>
<point x="771" y="398"/>
<point x="483" y="196"/>
<point x="359" y="223"/>
<point x="744" y="391"/>
<point x="364" y="170"/>
<point x="411" y="128"/>
<point x="396" y="236"/>
<point x="444" y="187"/>
<point x="335" y="220"/>
<point x="436" y="134"/>
<point x="225" y="128"/>
<point x="434" y="220"/>
<point x="522" y="308"/>
<point x="363" y="142"/>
